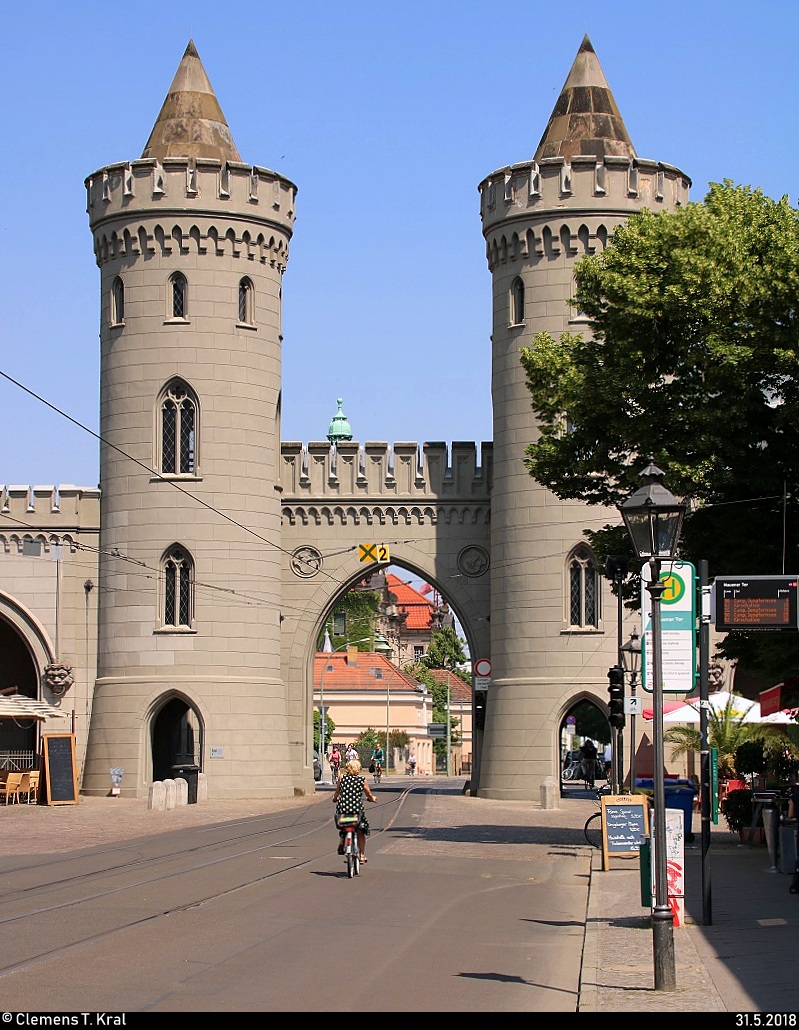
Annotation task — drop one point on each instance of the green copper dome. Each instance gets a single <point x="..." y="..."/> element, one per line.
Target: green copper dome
<point x="339" y="429"/>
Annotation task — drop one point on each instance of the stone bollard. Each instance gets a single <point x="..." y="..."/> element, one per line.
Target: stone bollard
<point x="156" y="798"/>
<point x="181" y="792"/>
<point x="202" y="787"/>
<point x="171" y="794"/>
<point x="549" y="792"/>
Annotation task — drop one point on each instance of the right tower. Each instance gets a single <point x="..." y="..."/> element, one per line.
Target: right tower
<point x="550" y="643"/>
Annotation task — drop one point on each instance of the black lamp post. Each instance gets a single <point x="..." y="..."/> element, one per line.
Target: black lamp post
<point x="631" y="663"/>
<point x="653" y="517"/>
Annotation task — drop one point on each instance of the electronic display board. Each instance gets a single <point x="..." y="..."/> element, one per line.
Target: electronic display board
<point x="756" y="602"/>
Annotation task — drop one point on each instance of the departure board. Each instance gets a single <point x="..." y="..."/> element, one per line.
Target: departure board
<point x="756" y="603"/>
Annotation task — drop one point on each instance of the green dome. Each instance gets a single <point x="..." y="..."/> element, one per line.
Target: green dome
<point x="339" y="428"/>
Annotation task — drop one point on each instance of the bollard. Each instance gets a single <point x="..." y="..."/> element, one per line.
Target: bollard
<point x="549" y="793"/>
<point x="771" y="821"/>
<point x="645" y="869"/>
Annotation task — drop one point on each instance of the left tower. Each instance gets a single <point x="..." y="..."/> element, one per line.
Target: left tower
<point x="192" y="244"/>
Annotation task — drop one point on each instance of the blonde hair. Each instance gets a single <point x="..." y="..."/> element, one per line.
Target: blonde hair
<point x="353" y="766"/>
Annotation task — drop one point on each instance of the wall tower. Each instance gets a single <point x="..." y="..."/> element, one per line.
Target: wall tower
<point x="551" y="643"/>
<point x="191" y="244"/>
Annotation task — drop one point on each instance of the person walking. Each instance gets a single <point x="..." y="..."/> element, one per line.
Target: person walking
<point x="412" y="763"/>
<point x="348" y="799"/>
<point x="588" y="761"/>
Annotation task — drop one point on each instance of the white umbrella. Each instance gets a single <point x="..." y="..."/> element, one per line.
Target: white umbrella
<point x="17" y="706"/>
<point x="739" y="707"/>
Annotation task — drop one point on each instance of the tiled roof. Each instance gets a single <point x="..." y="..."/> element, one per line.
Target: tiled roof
<point x="419" y="609"/>
<point x="458" y="690"/>
<point x="361" y="670"/>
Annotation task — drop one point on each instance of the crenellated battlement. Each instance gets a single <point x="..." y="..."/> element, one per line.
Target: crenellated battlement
<point x="197" y="203"/>
<point x="30" y="510"/>
<point x="377" y="471"/>
<point x="590" y="197"/>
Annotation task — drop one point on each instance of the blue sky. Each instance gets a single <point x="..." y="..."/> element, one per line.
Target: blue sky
<point x="386" y="116"/>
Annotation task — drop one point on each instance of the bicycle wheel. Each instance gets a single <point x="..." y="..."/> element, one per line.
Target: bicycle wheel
<point x="593" y="830"/>
<point x="351" y="859"/>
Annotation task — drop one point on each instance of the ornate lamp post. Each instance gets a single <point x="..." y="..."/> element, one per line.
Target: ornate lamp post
<point x="653" y="517"/>
<point x="631" y="663"/>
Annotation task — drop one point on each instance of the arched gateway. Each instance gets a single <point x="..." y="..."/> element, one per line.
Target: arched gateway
<point x="221" y="550"/>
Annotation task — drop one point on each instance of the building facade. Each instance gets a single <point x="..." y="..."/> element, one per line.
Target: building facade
<point x="217" y="553"/>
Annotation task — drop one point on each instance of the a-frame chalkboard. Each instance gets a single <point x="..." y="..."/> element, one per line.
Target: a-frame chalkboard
<point x="625" y="822"/>
<point x="59" y="769"/>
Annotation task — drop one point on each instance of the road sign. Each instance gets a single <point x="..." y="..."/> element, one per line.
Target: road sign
<point x="373" y="553"/>
<point x="570" y="720"/>
<point x="436" y="729"/>
<point x="633" y="706"/>
<point x="678" y="628"/>
<point x="482" y="668"/>
<point x="756" y="602"/>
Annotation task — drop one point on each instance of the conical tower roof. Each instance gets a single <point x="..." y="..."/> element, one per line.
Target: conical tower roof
<point x="191" y="123"/>
<point x="585" y="120"/>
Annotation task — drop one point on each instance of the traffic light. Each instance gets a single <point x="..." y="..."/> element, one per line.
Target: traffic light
<point x="616" y="692"/>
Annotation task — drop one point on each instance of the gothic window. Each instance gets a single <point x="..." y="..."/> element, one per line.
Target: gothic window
<point x="117" y="302"/>
<point x="178" y="291"/>
<point x="178" y="430"/>
<point x="583" y="584"/>
<point x="178" y="589"/>
<point x="246" y="306"/>
<point x="517" y="302"/>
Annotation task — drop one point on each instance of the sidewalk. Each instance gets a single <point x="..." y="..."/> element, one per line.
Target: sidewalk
<point x="744" y="961"/>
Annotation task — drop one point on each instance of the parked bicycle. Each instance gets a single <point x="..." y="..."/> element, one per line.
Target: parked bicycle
<point x="592" y="831"/>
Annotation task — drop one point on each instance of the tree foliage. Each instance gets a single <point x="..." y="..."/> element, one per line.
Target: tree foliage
<point x="446" y="651"/>
<point x="693" y="363"/>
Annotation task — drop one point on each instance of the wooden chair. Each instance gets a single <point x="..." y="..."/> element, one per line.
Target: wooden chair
<point x="10" y="789"/>
<point x="29" y="787"/>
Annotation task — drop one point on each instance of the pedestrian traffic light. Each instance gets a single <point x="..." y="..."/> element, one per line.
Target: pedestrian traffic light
<point x="616" y="693"/>
<point x="480" y="709"/>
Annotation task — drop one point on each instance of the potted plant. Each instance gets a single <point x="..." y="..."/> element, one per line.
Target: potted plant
<point x="738" y="811"/>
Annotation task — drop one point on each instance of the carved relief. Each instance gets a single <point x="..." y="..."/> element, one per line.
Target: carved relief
<point x="473" y="561"/>
<point x="306" y="562"/>
<point x="58" y="677"/>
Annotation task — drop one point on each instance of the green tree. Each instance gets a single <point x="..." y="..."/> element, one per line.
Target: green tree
<point x="727" y="732"/>
<point x="446" y="651"/>
<point x="693" y="362"/>
<point x="317" y="723"/>
<point x="589" y="721"/>
<point x="359" y="608"/>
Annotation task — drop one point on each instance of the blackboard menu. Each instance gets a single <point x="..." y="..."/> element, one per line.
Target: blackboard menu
<point x="60" y="773"/>
<point x="625" y="820"/>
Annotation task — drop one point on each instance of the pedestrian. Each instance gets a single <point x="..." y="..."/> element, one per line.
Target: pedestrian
<point x="412" y="763"/>
<point x="588" y="755"/>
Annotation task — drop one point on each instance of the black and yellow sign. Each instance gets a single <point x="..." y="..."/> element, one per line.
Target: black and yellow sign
<point x="373" y="553"/>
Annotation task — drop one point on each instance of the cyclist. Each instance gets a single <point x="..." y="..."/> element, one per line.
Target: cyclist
<point x="588" y="761"/>
<point x="377" y="758"/>
<point x="335" y="761"/>
<point x="348" y="798"/>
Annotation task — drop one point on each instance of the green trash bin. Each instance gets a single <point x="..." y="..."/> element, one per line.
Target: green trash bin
<point x="645" y="869"/>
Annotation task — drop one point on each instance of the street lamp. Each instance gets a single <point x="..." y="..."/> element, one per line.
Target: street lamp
<point x="631" y="663"/>
<point x="653" y="517"/>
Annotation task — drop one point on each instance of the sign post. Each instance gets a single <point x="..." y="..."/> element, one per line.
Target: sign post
<point x="678" y="622"/>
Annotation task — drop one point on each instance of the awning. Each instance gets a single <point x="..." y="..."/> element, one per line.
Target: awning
<point x="16" y="706"/>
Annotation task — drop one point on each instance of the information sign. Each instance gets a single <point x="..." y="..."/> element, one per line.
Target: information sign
<point x="436" y="729"/>
<point x="678" y="629"/>
<point x="756" y="603"/>
<point x="625" y="822"/>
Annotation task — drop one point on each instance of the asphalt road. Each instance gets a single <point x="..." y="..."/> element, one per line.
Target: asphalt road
<point x="258" y="914"/>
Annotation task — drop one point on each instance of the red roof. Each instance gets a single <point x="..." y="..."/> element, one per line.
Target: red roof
<point x="419" y="609"/>
<point x="358" y="670"/>
<point x="458" y="690"/>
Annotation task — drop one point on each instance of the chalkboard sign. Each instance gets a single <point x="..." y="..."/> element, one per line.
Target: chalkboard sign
<point x="60" y="773"/>
<point x="625" y="820"/>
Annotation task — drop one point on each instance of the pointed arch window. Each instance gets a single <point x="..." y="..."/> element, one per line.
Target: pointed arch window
<point x="178" y="589"/>
<point x="517" y="301"/>
<point x="178" y="296"/>
<point x="117" y="302"/>
<point x="178" y="430"/>
<point x="246" y="302"/>
<point x="583" y="586"/>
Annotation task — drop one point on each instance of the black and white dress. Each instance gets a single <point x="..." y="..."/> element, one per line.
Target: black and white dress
<point x="350" y="799"/>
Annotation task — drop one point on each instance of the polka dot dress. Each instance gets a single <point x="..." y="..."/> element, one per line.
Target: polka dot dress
<point x="350" y="798"/>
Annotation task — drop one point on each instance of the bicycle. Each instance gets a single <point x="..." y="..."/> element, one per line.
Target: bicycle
<point x="378" y="772"/>
<point x="349" y="823"/>
<point x="592" y="831"/>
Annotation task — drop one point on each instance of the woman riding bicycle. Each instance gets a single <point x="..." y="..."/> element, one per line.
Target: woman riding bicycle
<point x="335" y="761"/>
<point x="377" y="759"/>
<point x="348" y="798"/>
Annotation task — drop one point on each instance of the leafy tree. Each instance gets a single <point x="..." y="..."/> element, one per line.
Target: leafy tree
<point x="359" y="608"/>
<point x="727" y="732"/>
<point x="590" y="722"/>
<point x="446" y="651"/>
<point x="693" y="363"/>
<point x="317" y="723"/>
